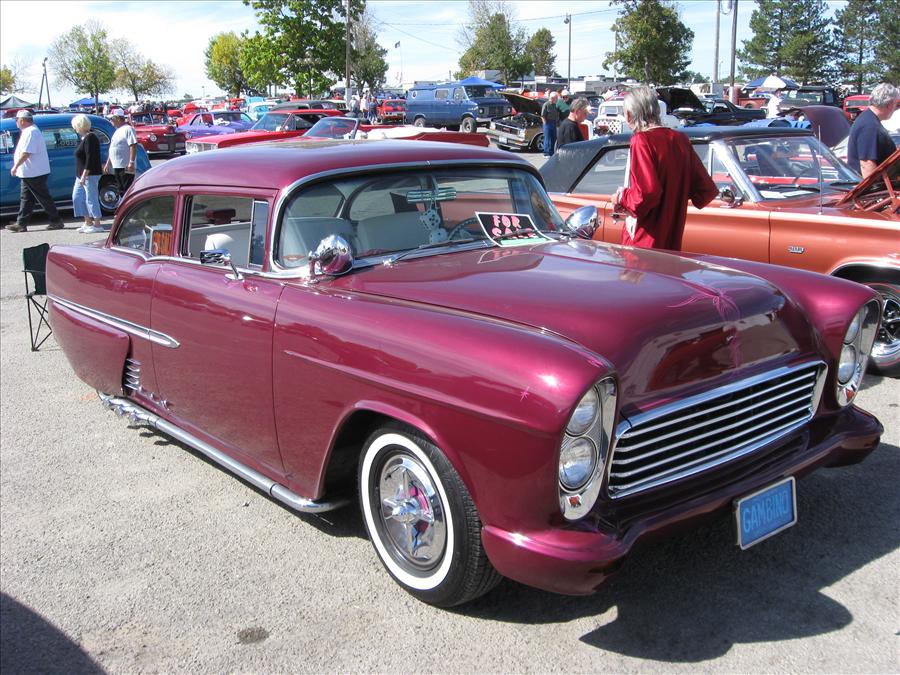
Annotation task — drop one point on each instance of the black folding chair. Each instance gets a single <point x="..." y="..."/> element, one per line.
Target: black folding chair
<point x="34" y="259"/>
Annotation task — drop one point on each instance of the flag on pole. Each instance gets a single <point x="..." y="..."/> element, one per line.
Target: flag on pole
<point x="397" y="46"/>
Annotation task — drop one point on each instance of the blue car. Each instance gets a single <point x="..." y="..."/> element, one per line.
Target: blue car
<point x="61" y="141"/>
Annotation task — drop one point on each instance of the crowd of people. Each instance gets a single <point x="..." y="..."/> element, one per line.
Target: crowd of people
<point x="562" y="120"/>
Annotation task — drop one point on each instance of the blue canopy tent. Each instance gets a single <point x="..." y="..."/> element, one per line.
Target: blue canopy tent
<point x="772" y="84"/>
<point x="87" y="100"/>
<point x="478" y="82"/>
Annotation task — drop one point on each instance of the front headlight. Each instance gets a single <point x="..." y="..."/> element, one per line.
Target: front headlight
<point x="481" y="111"/>
<point x="855" y="349"/>
<point x="577" y="460"/>
<point x="152" y="138"/>
<point x="584" y="449"/>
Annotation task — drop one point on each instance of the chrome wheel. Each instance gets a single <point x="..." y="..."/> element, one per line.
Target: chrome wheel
<point x="885" y="357"/>
<point x="109" y="196"/>
<point x="412" y="513"/>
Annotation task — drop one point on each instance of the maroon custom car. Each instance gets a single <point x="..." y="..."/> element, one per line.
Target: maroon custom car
<point x="156" y="133"/>
<point x="415" y="322"/>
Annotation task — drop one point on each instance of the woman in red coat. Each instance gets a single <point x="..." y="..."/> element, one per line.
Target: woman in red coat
<point x="665" y="173"/>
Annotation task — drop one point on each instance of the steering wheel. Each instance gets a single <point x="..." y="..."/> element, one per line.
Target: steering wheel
<point x="462" y="225"/>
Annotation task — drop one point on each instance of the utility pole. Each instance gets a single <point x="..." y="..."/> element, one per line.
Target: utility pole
<point x="568" y="20"/>
<point x="734" y="10"/>
<point x="44" y="81"/>
<point x="347" y="68"/>
<point x="715" y="77"/>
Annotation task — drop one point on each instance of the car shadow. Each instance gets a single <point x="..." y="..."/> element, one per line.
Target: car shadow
<point x="689" y="599"/>
<point x="31" y="644"/>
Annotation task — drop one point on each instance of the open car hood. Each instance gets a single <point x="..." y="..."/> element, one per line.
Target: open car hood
<point x="679" y="97"/>
<point x="887" y="172"/>
<point x="524" y="104"/>
<point x="827" y="122"/>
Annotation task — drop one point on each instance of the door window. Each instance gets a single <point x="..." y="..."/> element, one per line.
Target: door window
<point x="148" y="227"/>
<point x="220" y="222"/>
<point x="607" y="173"/>
<point x="59" y="138"/>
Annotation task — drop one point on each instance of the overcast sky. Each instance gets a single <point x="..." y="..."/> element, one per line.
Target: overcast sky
<point x="176" y="34"/>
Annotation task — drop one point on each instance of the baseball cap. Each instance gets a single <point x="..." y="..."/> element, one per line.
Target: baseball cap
<point x="24" y="113"/>
<point x="116" y="112"/>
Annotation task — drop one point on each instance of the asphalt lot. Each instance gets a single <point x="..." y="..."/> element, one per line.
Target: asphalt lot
<point x="123" y="551"/>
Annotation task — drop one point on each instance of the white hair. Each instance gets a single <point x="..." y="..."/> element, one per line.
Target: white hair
<point x="884" y="95"/>
<point x="81" y="123"/>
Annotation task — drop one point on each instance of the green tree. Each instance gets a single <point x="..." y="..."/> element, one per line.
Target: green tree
<point x="261" y="66"/>
<point x="654" y="46"/>
<point x="303" y="40"/>
<point x="772" y="23"/>
<point x="886" y="51"/>
<point x="368" y="67"/>
<point x="137" y="75"/>
<point x="223" y="64"/>
<point x="855" y="43"/>
<point x="82" y="59"/>
<point x="7" y="80"/>
<point x="539" y="50"/>
<point x="494" y="44"/>
<point x="692" y="77"/>
<point x="809" y="49"/>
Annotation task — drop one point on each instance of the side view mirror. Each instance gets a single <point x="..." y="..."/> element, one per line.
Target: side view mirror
<point x="220" y="256"/>
<point x="730" y="199"/>
<point x="582" y="222"/>
<point x="332" y="257"/>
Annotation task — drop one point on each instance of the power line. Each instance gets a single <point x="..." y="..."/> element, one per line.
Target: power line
<point x="420" y="39"/>
<point x="537" y="18"/>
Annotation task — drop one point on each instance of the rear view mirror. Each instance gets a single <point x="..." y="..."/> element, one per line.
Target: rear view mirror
<point x="728" y="196"/>
<point x="582" y="222"/>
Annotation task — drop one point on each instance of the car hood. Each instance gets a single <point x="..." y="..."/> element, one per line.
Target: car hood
<point x="678" y="97"/>
<point x="888" y="170"/>
<point x="661" y="320"/>
<point x="524" y="104"/>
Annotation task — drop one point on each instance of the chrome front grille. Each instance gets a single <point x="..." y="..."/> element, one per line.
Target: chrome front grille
<point x="132" y="378"/>
<point x="508" y="129"/>
<point x="690" y="436"/>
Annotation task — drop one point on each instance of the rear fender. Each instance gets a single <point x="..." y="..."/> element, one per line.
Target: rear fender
<point x="96" y="351"/>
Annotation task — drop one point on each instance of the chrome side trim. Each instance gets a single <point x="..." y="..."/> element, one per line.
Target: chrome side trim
<point x="127" y="326"/>
<point x="138" y="415"/>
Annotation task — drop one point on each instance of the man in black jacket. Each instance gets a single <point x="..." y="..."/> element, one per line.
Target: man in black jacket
<point x="570" y="129"/>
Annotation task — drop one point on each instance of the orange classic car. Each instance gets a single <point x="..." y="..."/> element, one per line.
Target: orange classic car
<point x="784" y="199"/>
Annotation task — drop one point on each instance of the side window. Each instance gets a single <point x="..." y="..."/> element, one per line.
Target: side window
<point x="101" y="135"/>
<point x="8" y="140"/>
<point x="441" y="94"/>
<point x="459" y="94"/>
<point x="702" y="150"/>
<point x="59" y="138"/>
<point x="607" y="174"/>
<point x="722" y="176"/>
<point x="148" y="227"/>
<point x="219" y="222"/>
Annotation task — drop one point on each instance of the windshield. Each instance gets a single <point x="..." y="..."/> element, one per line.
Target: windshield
<point x="480" y="92"/>
<point x="270" y="121"/>
<point x="388" y="214"/>
<point x="333" y="127"/>
<point x="786" y="166"/>
<point x="811" y="96"/>
<point x="226" y="117"/>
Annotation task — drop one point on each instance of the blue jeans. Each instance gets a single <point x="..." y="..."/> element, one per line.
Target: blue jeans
<point x="86" y="198"/>
<point x="549" y="138"/>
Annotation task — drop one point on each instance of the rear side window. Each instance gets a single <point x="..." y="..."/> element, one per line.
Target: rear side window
<point x="441" y="94"/>
<point x="58" y="138"/>
<point x="607" y="174"/>
<point x="148" y="227"/>
<point x="236" y="224"/>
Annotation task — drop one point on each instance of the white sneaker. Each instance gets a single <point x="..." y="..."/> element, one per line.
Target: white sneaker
<point x="91" y="230"/>
<point x="83" y="229"/>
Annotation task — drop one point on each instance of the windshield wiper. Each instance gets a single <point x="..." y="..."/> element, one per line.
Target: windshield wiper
<point x="516" y="234"/>
<point x="836" y="183"/>
<point x="424" y="247"/>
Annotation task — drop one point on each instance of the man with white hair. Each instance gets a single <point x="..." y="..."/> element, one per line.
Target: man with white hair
<point x="31" y="164"/>
<point x="869" y="143"/>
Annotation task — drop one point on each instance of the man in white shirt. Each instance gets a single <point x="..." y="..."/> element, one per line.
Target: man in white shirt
<point x="31" y="164"/>
<point x="122" y="150"/>
<point x="772" y="107"/>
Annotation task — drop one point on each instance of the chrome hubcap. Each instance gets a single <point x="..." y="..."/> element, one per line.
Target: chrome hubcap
<point x="887" y="343"/>
<point x="412" y="513"/>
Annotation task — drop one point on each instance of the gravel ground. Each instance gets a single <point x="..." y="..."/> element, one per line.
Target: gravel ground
<point x="123" y="551"/>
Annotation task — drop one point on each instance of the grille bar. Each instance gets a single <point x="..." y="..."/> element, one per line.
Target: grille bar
<point x="689" y="436"/>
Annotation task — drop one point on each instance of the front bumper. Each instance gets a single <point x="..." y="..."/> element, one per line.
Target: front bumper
<point x="510" y="141"/>
<point x="577" y="559"/>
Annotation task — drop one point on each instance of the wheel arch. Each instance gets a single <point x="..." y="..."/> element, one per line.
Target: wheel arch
<point x="861" y="272"/>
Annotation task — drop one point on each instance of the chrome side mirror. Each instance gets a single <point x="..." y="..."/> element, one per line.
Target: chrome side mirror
<point x="582" y="222"/>
<point x="730" y="199"/>
<point x="220" y="256"/>
<point x="332" y="257"/>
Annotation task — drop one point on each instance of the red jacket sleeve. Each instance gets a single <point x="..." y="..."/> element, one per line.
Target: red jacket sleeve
<point x="644" y="190"/>
<point x="703" y="188"/>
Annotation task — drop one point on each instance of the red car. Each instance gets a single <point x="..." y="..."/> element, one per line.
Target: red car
<point x="156" y="133"/>
<point x="391" y="110"/>
<point x="415" y="323"/>
<point x="271" y="126"/>
<point x="853" y="105"/>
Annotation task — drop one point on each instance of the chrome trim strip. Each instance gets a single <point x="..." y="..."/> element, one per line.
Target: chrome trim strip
<point x="127" y="326"/>
<point x="139" y="415"/>
<point x="719" y="458"/>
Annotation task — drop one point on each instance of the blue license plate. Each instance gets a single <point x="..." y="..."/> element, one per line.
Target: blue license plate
<point x="766" y="512"/>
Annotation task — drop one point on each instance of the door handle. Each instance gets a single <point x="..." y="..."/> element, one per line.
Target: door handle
<point x="618" y="215"/>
